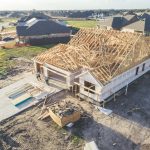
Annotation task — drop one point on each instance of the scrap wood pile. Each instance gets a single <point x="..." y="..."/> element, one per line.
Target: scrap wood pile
<point x="105" y="53"/>
<point x="63" y="112"/>
<point x="64" y="108"/>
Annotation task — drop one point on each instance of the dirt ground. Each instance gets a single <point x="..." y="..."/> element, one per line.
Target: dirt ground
<point x="128" y="128"/>
<point x="22" y="66"/>
<point x="26" y="132"/>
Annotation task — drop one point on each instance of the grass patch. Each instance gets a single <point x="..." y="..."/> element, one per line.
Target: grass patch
<point x="9" y="19"/>
<point x="9" y="29"/>
<point x="75" y="140"/>
<point x="27" y="52"/>
<point x="82" y="23"/>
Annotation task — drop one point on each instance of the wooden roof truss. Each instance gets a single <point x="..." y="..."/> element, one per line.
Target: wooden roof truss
<point x="105" y="53"/>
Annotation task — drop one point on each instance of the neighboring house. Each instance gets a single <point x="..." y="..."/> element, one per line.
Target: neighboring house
<point x="117" y="22"/>
<point x="42" y="31"/>
<point x="96" y="63"/>
<point x="111" y="23"/>
<point x="140" y="26"/>
<point x="36" y="15"/>
<point x="145" y="16"/>
<point x="130" y="18"/>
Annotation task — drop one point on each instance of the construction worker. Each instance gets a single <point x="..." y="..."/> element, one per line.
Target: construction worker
<point x="46" y="80"/>
<point x="38" y="76"/>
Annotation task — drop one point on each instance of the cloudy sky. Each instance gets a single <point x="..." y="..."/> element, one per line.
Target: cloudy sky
<point x="71" y="4"/>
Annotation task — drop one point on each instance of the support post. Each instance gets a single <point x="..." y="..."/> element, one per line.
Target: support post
<point x="97" y="97"/>
<point x="45" y="70"/>
<point x="72" y="89"/>
<point x="114" y="97"/>
<point x="35" y="67"/>
<point x="79" y="96"/>
<point x="126" y="91"/>
<point x="88" y="94"/>
<point x="103" y="104"/>
<point x="75" y="89"/>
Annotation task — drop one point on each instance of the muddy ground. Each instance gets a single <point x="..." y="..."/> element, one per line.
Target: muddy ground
<point x="128" y="127"/>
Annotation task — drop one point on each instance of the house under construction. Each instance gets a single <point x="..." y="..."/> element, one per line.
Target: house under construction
<point x="96" y="63"/>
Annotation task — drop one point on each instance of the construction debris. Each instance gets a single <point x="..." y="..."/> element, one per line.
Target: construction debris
<point x="105" y="111"/>
<point x="70" y="125"/>
<point x="91" y="146"/>
<point x="63" y="113"/>
<point x="133" y="110"/>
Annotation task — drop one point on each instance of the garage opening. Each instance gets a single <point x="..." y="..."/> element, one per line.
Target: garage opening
<point x="56" y="77"/>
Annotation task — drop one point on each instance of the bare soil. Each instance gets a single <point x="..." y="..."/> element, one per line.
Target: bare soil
<point x="26" y="132"/>
<point x="22" y="66"/>
<point x="128" y="128"/>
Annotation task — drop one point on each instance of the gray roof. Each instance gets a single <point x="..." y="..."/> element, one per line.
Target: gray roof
<point x="115" y="22"/>
<point x="145" y="16"/>
<point x="40" y="27"/>
<point x="147" y="25"/>
<point x="129" y="17"/>
<point x="34" y="15"/>
<point x="138" y="25"/>
<point x="118" y="22"/>
<point x="106" y="22"/>
<point x="142" y="25"/>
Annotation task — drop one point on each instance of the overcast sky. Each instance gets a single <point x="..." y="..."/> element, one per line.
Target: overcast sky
<point x="72" y="4"/>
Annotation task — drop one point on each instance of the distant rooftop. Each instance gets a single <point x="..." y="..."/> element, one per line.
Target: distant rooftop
<point x="138" y="25"/>
<point x="36" y="26"/>
<point x="34" y="15"/>
<point x="143" y="24"/>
